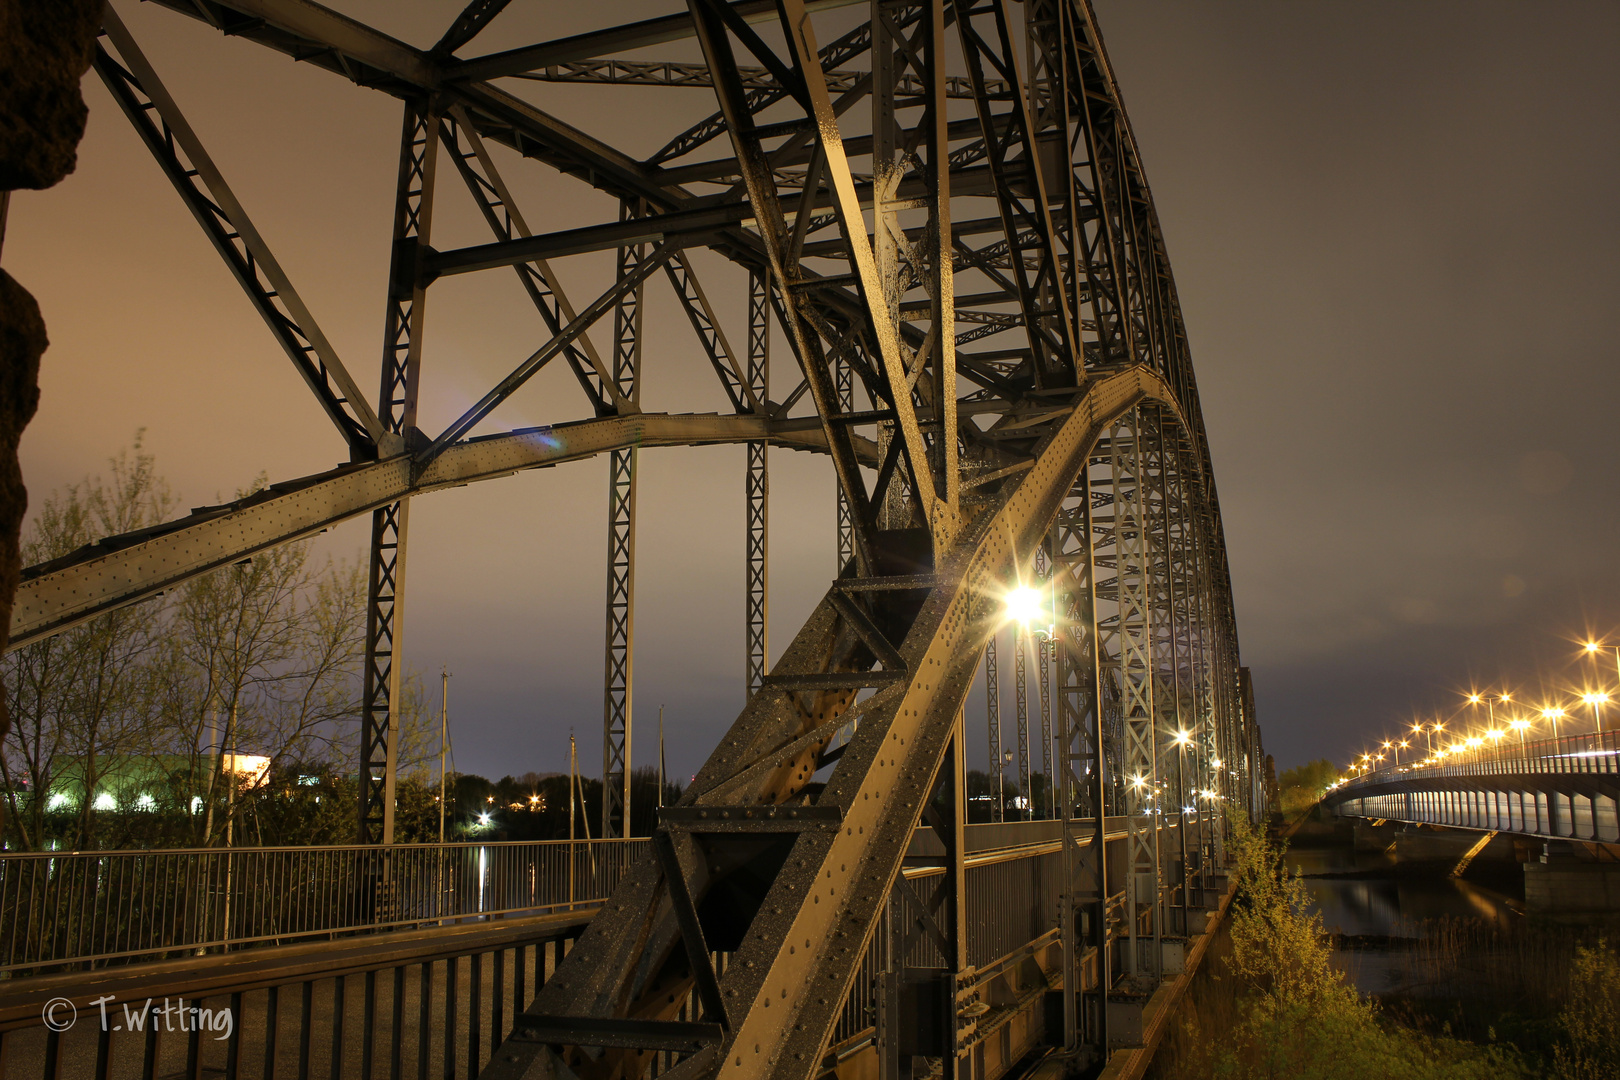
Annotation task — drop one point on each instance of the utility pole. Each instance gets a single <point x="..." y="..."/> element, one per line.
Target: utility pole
<point x="660" y="757"/>
<point x="573" y="773"/>
<point x="444" y="739"/>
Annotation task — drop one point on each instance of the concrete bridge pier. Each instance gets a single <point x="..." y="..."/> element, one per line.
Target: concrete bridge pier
<point x="1565" y="887"/>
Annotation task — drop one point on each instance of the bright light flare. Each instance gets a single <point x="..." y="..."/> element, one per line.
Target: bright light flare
<point x="1592" y="646"/>
<point x="1182" y="738"/>
<point x="1595" y="699"/>
<point x="1024" y="605"/>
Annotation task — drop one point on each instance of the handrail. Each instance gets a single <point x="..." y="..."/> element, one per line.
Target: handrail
<point x="93" y="908"/>
<point x="96" y="907"/>
<point x="1591" y="752"/>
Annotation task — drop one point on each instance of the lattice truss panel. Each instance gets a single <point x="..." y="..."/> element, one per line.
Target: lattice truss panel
<point x="944" y="225"/>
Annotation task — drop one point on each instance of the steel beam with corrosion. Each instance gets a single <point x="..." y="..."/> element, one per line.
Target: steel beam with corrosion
<point x="127" y="569"/>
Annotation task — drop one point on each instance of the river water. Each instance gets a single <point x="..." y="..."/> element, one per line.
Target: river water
<point x="1374" y="903"/>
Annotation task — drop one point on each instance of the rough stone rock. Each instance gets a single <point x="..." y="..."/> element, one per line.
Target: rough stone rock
<point x="22" y="340"/>
<point x="45" y="49"/>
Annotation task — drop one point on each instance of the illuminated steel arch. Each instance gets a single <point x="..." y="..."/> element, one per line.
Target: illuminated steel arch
<point x="942" y="213"/>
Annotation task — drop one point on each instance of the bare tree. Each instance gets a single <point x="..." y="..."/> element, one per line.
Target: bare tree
<point x="82" y="697"/>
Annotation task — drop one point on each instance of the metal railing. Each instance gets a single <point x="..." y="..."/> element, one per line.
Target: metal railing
<point x="94" y="907"/>
<point x="1593" y="752"/>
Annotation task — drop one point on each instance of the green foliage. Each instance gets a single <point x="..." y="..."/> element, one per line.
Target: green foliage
<point x="1591" y="1018"/>
<point x="1300" y="787"/>
<point x="1279" y="947"/>
<point x="1312" y="776"/>
<point x="1291" y="1015"/>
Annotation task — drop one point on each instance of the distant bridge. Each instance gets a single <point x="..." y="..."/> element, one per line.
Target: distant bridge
<point x="1553" y="789"/>
<point x="1561" y="792"/>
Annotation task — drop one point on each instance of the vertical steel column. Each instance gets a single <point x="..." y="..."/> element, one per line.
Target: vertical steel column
<point x="1080" y="765"/>
<point x="396" y="409"/>
<point x="992" y="701"/>
<point x="959" y="975"/>
<point x="1021" y="719"/>
<point x="619" y="652"/>
<point x="844" y="388"/>
<point x="1154" y="456"/>
<point x="1180" y="563"/>
<point x="1134" y="672"/>
<point x="888" y="169"/>
<point x="1044" y="670"/>
<point x="757" y="492"/>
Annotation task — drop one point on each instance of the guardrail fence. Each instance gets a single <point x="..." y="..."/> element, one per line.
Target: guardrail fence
<point x="95" y="907"/>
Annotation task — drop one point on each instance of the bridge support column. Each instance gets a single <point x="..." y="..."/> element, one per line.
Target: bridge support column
<point x="619" y="650"/>
<point x="396" y="409"/>
<point x="1080" y="788"/>
<point x="1562" y="888"/>
<point x="757" y="492"/>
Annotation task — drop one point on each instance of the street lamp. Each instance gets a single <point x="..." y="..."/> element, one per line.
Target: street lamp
<point x="1519" y="724"/>
<point x="1592" y="648"/>
<point x="1555" y="715"/>
<point x="1596" y="699"/>
<point x="1402" y="745"/>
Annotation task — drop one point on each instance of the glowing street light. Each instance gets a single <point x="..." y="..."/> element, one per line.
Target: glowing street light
<point x="1028" y="608"/>
<point x="1596" y="700"/>
<point x="1555" y="715"/>
<point x="1402" y="745"/>
<point x="1519" y="724"/>
<point x="1593" y="647"/>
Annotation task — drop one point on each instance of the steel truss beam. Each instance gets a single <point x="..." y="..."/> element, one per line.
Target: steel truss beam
<point x="122" y="570"/>
<point x="1081" y="785"/>
<point x="396" y="408"/>
<point x="820" y="881"/>
<point x="757" y="496"/>
<point x="160" y="124"/>
<point x="1081" y="431"/>
<point x="618" y="656"/>
<point x="992" y="701"/>
<point x="1026" y="769"/>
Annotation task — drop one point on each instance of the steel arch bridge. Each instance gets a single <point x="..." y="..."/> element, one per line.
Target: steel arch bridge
<point x="941" y="210"/>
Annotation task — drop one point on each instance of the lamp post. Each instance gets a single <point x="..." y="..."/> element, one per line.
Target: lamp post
<point x="1183" y="737"/>
<point x="1592" y="648"/>
<point x="1596" y="699"/>
<point x="1519" y="724"/>
<point x="1553" y="714"/>
<point x="1398" y="748"/>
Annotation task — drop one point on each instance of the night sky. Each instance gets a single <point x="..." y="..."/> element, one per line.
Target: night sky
<point x="1394" y="233"/>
